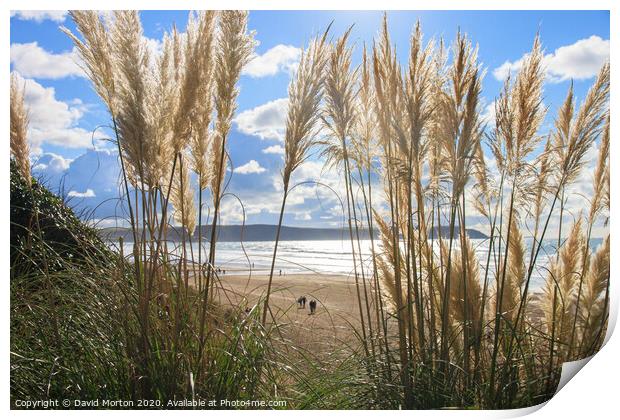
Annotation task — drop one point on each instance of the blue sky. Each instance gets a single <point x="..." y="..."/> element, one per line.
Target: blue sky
<point x="65" y="109"/>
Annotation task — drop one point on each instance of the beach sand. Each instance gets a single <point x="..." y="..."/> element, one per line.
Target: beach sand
<point x="337" y="313"/>
<point x="336" y="322"/>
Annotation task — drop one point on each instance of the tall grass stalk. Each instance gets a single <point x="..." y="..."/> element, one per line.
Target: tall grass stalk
<point x="305" y="94"/>
<point x="428" y="119"/>
<point x="234" y="48"/>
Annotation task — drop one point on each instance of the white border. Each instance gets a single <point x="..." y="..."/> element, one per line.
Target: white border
<point x="593" y="395"/>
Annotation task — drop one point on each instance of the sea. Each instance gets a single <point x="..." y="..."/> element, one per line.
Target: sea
<point x="335" y="257"/>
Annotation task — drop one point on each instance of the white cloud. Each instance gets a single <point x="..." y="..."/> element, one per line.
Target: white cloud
<point x="154" y="46"/>
<point x="276" y="149"/>
<point x="51" y="163"/>
<point x="40" y="15"/>
<point x="488" y="115"/>
<point x="501" y="73"/>
<point x="304" y="215"/>
<point x="335" y="211"/>
<point x="108" y="222"/>
<point x="581" y="60"/>
<point x="252" y="167"/>
<point x="577" y="196"/>
<point x="53" y="121"/>
<point x="313" y="170"/>
<point x="86" y="194"/>
<point x="307" y="202"/>
<point x="267" y="204"/>
<point x="30" y="60"/>
<point x="277" y="59"/>
<point x="266" y="121"/>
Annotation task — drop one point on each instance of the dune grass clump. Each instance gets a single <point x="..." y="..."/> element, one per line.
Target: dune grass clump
<point x="66" y="337"/>
<point x="177" y="342"/>
<point x="465" y="332"/>
<point x="74" y="329"/>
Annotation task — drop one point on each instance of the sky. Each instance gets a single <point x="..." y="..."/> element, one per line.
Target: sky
<point x="68" y="121"/>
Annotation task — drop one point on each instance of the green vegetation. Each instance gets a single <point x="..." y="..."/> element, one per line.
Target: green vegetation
<point x="76" y="334"/>
<point x="74" y="329"/>
<point x="66" y="335"/>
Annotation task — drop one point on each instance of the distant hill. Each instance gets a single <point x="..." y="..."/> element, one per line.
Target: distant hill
<point x="233" y="233"/>
<point x="445" y="232"/>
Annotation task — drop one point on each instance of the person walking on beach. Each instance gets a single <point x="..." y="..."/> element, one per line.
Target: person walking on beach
<point x="312" y="307"/>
